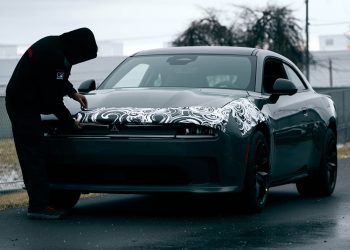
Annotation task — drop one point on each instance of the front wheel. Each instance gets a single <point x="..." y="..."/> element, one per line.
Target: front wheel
<point x="322" y="181"/>
<point x="64" y="199"/>
<point x="256" y="185"/>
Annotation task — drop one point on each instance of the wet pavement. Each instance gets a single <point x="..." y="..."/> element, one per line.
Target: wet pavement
<point x="192" y="222"/>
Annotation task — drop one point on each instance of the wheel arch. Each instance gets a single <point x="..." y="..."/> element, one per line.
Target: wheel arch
<point x="264" y="129"/>
<point x="333" y="125"/>
<point x="256" y="181"/>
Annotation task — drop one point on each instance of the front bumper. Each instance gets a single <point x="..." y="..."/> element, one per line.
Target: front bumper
<point x="145" y="165"/>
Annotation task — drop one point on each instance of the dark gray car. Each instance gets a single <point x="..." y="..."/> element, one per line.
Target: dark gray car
<point x="197" y="120"/>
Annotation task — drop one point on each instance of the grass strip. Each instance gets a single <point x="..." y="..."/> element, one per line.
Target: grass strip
<point x="344" y="151"/>
<point x="19" y="198"/>
<point x="13" y="199"/>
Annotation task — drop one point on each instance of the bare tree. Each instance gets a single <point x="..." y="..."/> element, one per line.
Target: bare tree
<point x="274" y="28"/>
<point x="205" y="32"/>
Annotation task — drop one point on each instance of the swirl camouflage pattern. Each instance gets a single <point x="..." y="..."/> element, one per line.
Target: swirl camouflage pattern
<point x="244" y="112"/>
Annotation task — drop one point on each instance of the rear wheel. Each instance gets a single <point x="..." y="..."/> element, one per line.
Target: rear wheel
<point x="322" y="181"/>
<point x="64" y="199"/>
<point x="256" y="185"/>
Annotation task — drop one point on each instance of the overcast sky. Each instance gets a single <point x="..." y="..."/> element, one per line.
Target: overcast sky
<point x="143" y="24"/>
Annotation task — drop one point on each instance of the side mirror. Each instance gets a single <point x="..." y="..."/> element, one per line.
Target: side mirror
<point x="87" y="86"/>
<point x="283" y="87"/>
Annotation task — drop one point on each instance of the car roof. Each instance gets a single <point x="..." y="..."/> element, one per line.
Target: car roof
<point x="200" y="50"/>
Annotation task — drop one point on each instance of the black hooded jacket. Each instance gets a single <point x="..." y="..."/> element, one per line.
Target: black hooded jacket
<point x="40" y="79"/>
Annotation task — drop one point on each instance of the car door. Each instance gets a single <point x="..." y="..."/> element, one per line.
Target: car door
<point x="292" y="133"/>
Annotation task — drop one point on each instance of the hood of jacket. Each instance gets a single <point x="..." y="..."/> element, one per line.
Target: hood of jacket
<point x="79" y="45"/>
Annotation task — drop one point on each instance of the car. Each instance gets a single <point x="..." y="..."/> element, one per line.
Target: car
<point x="196" y="120"/>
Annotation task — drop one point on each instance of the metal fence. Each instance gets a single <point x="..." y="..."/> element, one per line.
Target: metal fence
<point x="341" y="98"/>
<point x="5" y="124"/>
<point x="10" y="174"/>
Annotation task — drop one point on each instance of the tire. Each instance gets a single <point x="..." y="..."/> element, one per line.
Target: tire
<point x="256" y="186"/>
<point x="322" y="181"/>
<point x="64" y="199"/>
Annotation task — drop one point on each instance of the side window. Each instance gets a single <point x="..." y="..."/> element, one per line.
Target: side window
<point x="273" y="69"/>
<point x="292" y="76"/>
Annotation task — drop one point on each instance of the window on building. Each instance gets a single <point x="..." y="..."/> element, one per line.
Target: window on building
<point x="329" y="42"/>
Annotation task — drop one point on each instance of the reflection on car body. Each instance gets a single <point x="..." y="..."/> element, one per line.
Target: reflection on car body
<point x="198" y="120"/>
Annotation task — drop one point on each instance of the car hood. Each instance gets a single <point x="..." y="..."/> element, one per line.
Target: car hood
<point x="210" y="108"/>
<point x="161" y="98"/>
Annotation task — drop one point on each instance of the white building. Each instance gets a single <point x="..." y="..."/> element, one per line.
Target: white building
<point x="334" y="42"/>
<point x="105" y="48"/>
<point x="109" y="48"/>
<point x="330" y="68"/>
<point x="8" y="51"/>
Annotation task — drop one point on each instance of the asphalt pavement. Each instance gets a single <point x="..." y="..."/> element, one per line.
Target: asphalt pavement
<point x="189" y="222"/>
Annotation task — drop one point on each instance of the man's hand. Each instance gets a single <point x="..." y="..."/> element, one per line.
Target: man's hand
<point x="77" y="124"/>
<point x="81" y="99"/>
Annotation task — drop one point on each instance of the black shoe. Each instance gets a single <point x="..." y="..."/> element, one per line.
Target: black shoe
<point x="48" y="213"/>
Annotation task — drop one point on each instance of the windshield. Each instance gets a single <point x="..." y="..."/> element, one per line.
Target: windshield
<point x="189" y="71"/>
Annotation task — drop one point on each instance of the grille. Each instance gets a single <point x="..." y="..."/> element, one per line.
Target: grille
<point x="131" y="130"/>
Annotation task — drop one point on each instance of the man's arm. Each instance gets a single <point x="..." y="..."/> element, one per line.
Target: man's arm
<point x="63" y="114"/>
<point x="81" y="99"/>
<point x="72" y="93"/>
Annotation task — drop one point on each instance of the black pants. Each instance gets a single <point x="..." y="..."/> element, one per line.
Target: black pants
<point x="28" y="137"/>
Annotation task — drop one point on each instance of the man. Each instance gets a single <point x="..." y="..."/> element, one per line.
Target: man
<point x="37" y="86"/>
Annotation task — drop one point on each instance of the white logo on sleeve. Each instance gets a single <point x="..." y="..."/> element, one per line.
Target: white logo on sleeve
<point x="60" y="75"/>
